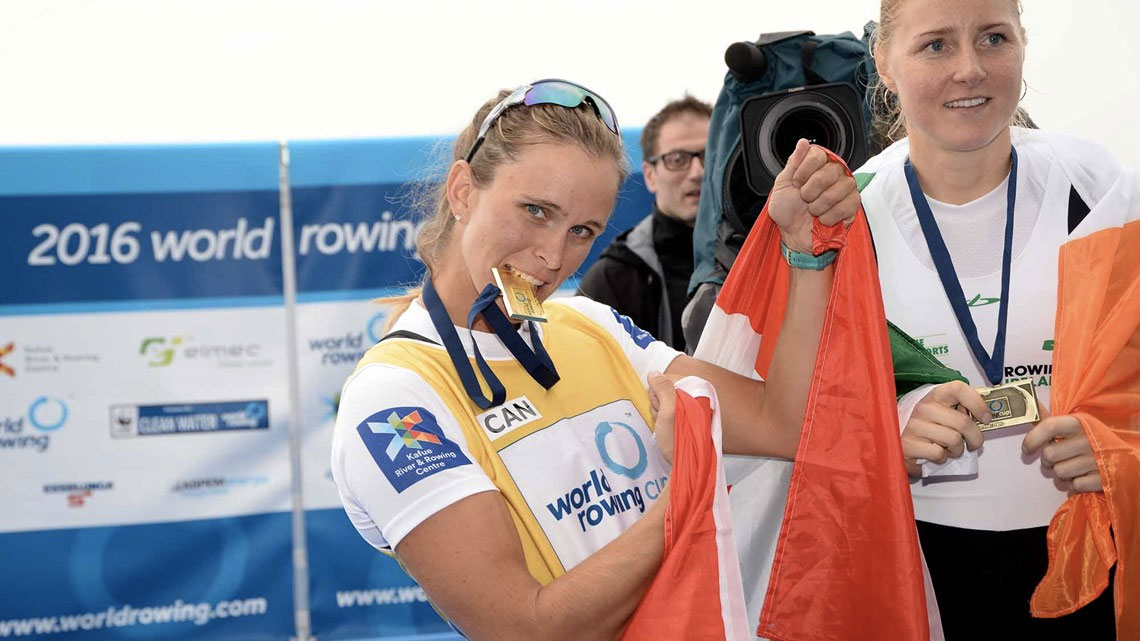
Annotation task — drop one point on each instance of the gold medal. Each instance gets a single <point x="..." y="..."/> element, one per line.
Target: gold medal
<point x="519" y="297"/>
<point x="1009" y="404"/>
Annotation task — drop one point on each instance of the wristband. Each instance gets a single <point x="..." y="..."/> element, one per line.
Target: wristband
<point x="801" y="260"/>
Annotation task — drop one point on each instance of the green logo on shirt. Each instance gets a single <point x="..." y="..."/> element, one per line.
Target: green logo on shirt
<point x="978" y="301"/>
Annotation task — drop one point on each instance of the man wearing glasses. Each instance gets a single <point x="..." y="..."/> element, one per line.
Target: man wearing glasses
<point x="644" y="273"/>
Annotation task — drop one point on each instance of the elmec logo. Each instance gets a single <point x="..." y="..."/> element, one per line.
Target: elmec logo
<point x="161" y="351"/>
<point x="157" y="351"/>
<point x="45" y="414"/>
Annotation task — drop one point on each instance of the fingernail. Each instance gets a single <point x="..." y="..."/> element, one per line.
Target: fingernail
<point x="987" y="418"/>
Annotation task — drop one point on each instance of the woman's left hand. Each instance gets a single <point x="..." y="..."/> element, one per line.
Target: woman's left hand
<point x="812" y="185"/>
<point x="662" y="404"/>
<point x="1066" y="449"/>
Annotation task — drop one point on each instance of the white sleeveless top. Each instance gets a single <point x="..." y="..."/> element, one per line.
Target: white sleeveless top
<point x="1010" y="490"/>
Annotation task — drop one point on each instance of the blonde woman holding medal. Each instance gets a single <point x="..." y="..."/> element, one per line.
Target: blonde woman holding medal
<point x="528" y="499"/>
<point x="968" y="212"/>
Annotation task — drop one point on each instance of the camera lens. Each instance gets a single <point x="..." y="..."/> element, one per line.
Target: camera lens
<point x="811" y="116"/>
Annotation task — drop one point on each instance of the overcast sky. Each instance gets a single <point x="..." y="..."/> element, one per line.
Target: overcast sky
<point x="122" y="71"/>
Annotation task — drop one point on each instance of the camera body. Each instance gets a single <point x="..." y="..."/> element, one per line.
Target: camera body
<point x="829" y="115"/>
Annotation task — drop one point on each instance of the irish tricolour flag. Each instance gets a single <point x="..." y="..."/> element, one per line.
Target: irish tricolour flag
<point x="1096" y="376"/>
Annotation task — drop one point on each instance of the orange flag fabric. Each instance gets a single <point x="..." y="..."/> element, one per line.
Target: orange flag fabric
<point x="847" y="564"/>
<point x="1096" y="377"/>
<point x="697" y="593"/>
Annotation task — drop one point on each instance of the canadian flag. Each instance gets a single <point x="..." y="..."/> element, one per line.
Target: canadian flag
<point x="843" y="561"/>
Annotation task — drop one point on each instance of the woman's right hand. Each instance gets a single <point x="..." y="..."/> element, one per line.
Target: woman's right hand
<point x="939" y="427"/>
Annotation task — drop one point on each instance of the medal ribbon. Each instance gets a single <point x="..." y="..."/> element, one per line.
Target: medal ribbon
<point x="993" y="366"/>
<point x="537" y="363"/>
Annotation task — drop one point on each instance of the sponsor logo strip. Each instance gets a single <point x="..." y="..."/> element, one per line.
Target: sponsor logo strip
<point x="150" y="420"/>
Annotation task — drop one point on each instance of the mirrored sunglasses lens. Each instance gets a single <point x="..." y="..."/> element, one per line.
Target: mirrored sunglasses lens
<point x="555" y="93"/>
<point x="571" y="96"/>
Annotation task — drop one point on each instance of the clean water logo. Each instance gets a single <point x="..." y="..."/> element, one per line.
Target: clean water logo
<point x="128" y="421"/>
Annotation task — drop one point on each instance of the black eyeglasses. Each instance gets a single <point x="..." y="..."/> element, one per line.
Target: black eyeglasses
<point x="678" y="160"/>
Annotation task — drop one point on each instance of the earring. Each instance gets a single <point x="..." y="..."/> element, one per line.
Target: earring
<point x="1024" y="89"/>
<point x="456" y="217"/>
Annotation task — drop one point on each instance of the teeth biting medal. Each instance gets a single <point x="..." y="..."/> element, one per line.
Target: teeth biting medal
<point x="519" y="296"/>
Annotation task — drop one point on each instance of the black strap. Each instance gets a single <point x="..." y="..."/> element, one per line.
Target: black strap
<point x="403" y="333"/>
<point x="1078" y="209"/>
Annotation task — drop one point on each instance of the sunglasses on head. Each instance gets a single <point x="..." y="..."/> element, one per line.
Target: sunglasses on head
<point x="551" y="91"/>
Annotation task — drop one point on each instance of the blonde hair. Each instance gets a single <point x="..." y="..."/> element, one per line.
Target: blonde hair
<point x="513" y="131"/>
<point x="889" y="121"/>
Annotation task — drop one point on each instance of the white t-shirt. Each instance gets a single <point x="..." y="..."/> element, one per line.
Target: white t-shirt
<point x="1009" y="490"/>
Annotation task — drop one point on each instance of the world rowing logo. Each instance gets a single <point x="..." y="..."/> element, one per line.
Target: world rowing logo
<point x="602" y="431"/>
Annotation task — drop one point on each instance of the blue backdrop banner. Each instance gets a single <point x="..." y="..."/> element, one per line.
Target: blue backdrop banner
<point x="145" y="414"/>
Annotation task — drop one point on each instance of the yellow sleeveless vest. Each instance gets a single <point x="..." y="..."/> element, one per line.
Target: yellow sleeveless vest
<point x="594" y="372"/>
